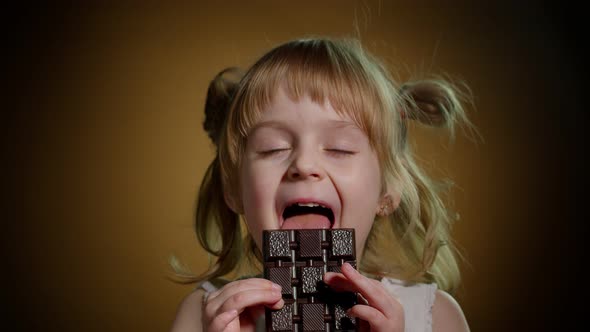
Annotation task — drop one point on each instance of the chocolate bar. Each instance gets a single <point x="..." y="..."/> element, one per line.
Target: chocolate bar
<point x="297" y="261"/>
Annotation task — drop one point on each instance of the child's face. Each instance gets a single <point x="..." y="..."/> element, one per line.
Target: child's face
<point x="303" y="152"/>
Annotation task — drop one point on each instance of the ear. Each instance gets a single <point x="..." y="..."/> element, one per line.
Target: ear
<point x="234" y="204"/>
<point x="388" y="203"/>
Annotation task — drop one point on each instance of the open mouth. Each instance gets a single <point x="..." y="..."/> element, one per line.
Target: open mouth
<point x="307" y="215"/>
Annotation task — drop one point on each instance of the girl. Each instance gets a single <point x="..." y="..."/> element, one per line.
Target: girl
<point x="321" y="122"/>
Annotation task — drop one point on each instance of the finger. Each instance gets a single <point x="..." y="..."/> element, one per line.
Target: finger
<point x="221" y="322"/>
<point x="218" y="298"/>
<point x="372" y="291"/>
<point x="373" y="316"/>
<point x="339" y="283"/>
<point x="241" y="285"/>
<point x="249" y="298"/>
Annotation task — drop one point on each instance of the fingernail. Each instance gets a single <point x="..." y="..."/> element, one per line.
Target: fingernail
<point x="349" y="266"/>
<point x="275" y="286"/>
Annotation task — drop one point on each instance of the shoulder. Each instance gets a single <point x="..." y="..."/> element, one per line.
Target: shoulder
<point x="188" y="315"/>
<point x="447" y="315"/>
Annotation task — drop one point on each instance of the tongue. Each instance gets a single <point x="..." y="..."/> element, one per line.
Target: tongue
<point x="308" y="221"/>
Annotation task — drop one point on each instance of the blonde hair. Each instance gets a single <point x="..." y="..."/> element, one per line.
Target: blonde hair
<point x="416" y="236"/>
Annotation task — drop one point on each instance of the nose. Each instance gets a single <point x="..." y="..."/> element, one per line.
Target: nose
<point x="305" y="166"/>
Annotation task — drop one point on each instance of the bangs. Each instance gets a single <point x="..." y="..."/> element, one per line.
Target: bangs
<point x="321" y="69"/>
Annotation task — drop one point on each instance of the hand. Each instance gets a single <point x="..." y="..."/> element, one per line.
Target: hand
<point x="381" y="311"/>
<point x="238" y="305"/>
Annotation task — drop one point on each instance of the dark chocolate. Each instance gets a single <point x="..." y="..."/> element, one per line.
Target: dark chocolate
<point x="297" y="260"/>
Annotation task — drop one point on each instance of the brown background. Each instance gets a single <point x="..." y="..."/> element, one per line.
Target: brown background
<point x="106" y="150"/>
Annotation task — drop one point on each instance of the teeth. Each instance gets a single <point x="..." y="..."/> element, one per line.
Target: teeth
<point x="310" y="204"/>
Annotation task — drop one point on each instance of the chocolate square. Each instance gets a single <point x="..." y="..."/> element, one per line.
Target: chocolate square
<point x="310" y="244"/>
<point x="282" y="276"/>
<point x="310" y="278"/>
<point x="282" y="319"/>
<point x="342" y="243"/>
<point x="342" y="321"/>
<point x="312" y="315"/>
<point x="277" y="244"/>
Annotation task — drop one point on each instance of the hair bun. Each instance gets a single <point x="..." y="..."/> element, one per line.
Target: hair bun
<point x="431" y="102"/>
<point x="219" y="96"/>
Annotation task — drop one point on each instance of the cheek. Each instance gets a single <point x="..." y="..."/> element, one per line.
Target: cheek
<point x="365" y="184"/>
<point x="252" y="199"/>
<point x="362" y="198"/>
<point x="258" y="186"/>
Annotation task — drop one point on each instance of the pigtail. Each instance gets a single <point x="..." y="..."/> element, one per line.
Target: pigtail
<point x="219" y="97"/>
<point x="437" y="103"/>
<point x="217" y="226"/>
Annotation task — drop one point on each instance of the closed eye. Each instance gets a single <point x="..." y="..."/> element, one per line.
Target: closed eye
<point x="272" y="151"/>
<point x="341" y="152"/>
